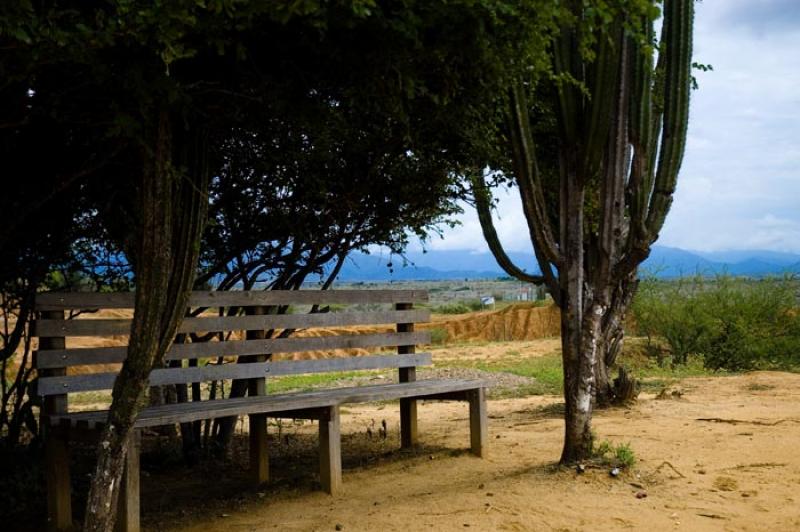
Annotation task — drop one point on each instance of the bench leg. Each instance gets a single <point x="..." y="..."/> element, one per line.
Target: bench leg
<point x="59" y="503"/>
<point x="330" y="451"/>
<point x="259" y="457"/>
<point x="128" y="511"/>
<point x="408" y="423"/>
<point x="478" y="422"/>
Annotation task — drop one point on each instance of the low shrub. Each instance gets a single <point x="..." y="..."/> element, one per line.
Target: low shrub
<point x="452" y="308"/>
<point x="732" y="323"/>
<point x="756" y="326"/>
<point x="475" y="305"/>
<point x="674" y="312"/>
<point x="439" y="336"/>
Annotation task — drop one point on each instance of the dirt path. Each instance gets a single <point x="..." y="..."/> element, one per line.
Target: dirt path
<point x="723" y="456"/>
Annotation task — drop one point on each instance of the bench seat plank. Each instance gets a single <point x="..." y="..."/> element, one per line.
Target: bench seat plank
<point x="196" y="411"/>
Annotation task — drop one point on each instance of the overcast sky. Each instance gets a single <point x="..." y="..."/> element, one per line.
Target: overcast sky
<point x="739" y="186"/>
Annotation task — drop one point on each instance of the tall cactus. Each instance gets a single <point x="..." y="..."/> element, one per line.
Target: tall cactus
<point x="622" y="118"/>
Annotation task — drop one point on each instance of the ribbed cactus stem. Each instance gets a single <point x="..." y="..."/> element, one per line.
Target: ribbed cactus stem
<point x="677" y="50"/>
<point x="622" y="121"/>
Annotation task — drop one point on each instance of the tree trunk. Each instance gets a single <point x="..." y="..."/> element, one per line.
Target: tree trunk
<point x="578" y="361"/>
<point x="165" y="250"/>
<point x="242" y="387"/>
<point x="612" y="337"/>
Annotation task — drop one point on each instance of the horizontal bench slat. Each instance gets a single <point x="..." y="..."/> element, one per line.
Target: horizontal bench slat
<point x="105" y="381"/>
<point x="93" y="300"/>
<point x="59" y="358"/>
<point x="196" y="411"/>
<point x="110" y="327"/>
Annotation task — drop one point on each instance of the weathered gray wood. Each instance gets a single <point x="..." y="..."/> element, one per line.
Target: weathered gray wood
<point x="110" y="355"/>
<point x="159" y="377"/>
<point x="194" y="411"/>
<point x="87" y="300"/>
<point x="330" y="452"/>
<point x="128" y="509"/>
<point x="55" y="403"/>
<point x="478" y="422"/>
<point x="408" y="407"/>
<point x="114" y="326"/>
<point x="59" y="500"/>
<point x="322" y="405"/>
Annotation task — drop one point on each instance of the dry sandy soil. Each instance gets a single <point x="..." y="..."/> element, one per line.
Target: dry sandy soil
<point x="721" y="456"/>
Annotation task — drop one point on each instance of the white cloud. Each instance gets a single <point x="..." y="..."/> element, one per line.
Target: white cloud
<point x="742" y="163"/>
<point x="509" y="222"/>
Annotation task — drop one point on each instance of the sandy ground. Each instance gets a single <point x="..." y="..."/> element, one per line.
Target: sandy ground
<point x="721" y="456"/>
<point x="724" y="454"/>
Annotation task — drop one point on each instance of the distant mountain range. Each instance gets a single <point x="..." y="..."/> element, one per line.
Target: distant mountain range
<point x="664" y="262"/>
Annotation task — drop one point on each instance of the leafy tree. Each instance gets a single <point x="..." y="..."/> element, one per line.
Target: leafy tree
<point x="115" y="73"/>
<point x="136" y="90"/>
<point x="338" y="157"/>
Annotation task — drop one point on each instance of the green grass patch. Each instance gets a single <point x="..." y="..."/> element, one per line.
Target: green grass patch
<point x="90" y="398"/>
<point x="546" y="370"/>
<point x="462" y="307"/>
<point x="654" y="377"/>
<point x="617" y="455"/>
<point x="310" y="381"/>
<point x="525" y="390"/>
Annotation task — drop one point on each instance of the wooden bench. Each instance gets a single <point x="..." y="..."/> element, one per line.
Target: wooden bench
<point x="255" y="317"/>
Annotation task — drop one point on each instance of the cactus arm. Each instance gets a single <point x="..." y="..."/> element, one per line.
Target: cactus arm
<point x="528" y="178"/>
<point x="603" y="83"/>
<point x="564" y="55"/>
<point x="678" y="19"/>
<point x="653" y="179"/>
<point x="641" y="133"/>
<point x="483" y="206"/>
<point x="617" y="161"/>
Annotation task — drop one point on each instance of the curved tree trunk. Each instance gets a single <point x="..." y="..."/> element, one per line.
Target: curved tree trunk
<point x="165" y="250"/>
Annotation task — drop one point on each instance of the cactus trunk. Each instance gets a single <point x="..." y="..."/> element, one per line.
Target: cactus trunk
<point x="622" y="120"/>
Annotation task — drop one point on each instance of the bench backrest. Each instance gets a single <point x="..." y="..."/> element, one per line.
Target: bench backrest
<point x="254" y="314"/>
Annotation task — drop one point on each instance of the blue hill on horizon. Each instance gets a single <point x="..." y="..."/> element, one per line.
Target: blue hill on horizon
<point x="664" y="262"/>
